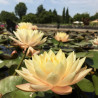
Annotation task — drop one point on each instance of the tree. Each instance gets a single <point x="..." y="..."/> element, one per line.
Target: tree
<point x="55" y="12"/>
<point x="40" y="9"/>
<point x="55" y="15"/>
<point x="45" y="17"/>
<point x="67" y="16"/>
<point x="29" y="18"/>
<point x="50" y="11"/>
<point x="20" y="9"/>
<point x="8" y="15"/>
<point x="63" y="15"/>
<point x="77" y="17"/>
<point x="94" y="17"/>
<point x="85" y="18"/>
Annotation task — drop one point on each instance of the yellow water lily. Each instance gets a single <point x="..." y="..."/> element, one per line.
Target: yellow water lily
<point x="48" y="71"/>
<point x="28" y="38"/>
<point x="24" y="25"/>
<point x="61" y="36"/>
<point x="95" y="41"/>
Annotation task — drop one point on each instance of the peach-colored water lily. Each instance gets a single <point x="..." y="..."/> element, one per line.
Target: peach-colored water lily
<point x="13" y="52"/>
<point x="52" y="72"/>
<point x="31" y="51"/>
<point x="95" y="41"/>
<point x="28" y="38"/>
<point x="34" y="27"/>
<point x="61" y="36"/>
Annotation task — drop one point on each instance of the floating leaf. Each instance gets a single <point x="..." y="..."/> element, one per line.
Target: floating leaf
<point x="8" y="84"/>
<point x="19" y="94"/>
<point x="95" y="81"/>
<point x="9" y="63"/>
<point x="84" y="54"/>
<point x="86" y="85"/>
<point x="95" y="59"/>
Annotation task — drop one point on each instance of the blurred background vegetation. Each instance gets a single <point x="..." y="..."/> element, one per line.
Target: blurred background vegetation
<point x="42" y="16"/>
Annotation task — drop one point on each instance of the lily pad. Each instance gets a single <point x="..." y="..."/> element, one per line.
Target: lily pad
<point x="86" y="85"/>
<point x="95" y="81"/>
<point x="8" y="84"/>
<point x="19" y="94"/>
<point x="9" y="63"/>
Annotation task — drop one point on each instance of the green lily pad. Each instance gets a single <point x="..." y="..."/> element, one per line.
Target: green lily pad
<point x="84" y="54"/>
<point x="19" y="94"/>
<point x="95" y="82"/>
<point x="8" y="84"/>
<point x="9" y="63"/>
<point x="86" y="85"/>
<point x="95" y="59"/>
<point x="1" y="52"/>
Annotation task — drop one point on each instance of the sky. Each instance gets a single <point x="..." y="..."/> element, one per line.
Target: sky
<point x="74" y="6"/>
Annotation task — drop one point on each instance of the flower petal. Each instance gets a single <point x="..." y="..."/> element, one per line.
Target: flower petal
<point x="29" y="77"/>
<point x="39" y="72"/>
<point x="52" y="78"/>
<point x="62" y="90"/>
<point x="81" y="75"/>
<point x="25" y="87"/>
<point x="41" y="87"/>
<point x="67" y="80"/>
<point x="17" y="41"/>
<point x="60" y="70"/>
<point x="80" y="64"/>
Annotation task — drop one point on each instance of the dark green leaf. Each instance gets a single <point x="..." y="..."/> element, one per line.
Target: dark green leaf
<point x="86" y="85"/>
<point x="95" y="81"/>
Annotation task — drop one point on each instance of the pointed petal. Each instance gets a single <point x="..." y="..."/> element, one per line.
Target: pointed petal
<point x="25" y="87"/>
<point x="39" y="72"/>
<point x="42" y="41"/>
<point x="81" y="75"/>
<point x="28" y="77"/>
<point x="80" y="64"/>
<point x="17" y="41"/>
<point x="30" y="66"/>
<point x="62" y="90"/>
<point x="74" y="66"/>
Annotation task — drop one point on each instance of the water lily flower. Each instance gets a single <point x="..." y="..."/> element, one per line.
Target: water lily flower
<point x="61" y="36"/>
<point x="28" y="38"/>
<point x="13" y="52"/>
<point x="95" y="41"/>
<point x="48" y="71"/>
<point x="34" y="27"/>
<point x="24" y="25"/>
<point x="31" y="51"/>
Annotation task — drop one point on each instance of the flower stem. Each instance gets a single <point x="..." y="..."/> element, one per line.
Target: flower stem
<point x="21" y="61"/>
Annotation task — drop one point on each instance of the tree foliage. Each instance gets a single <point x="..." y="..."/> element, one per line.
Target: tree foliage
<point x="20" y="9"/>
<point x="40" y="9"/>
<point x="67" y="16"/>
<point x="63" y="15"/>
<point x="80" y="17"/>
<point x="45" y="17"/>
<point x="30" y="18"/>
<point x="94" y="17"/>
<point x="7" y="15"/>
